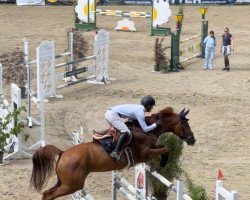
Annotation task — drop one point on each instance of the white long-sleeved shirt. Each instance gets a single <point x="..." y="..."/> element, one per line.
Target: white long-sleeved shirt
<point x="134" y="111"/>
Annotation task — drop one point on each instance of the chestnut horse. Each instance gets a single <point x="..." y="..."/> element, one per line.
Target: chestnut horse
<point x="76" y="163"/>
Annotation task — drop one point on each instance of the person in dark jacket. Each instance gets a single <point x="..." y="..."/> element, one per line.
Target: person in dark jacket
<point x="226" y="47"/>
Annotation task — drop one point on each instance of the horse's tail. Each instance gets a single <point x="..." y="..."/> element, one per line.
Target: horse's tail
<point x="43" y="165"/>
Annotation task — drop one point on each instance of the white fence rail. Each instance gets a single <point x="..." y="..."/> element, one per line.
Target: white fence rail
<point x="222" y="193"/>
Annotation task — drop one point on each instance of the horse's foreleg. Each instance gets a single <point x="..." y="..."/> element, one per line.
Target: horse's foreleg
<point x="158" y="146"/>
<point x="163" y="156"/>
<point x="152" y="153"/>
<point x="162" y="152"/>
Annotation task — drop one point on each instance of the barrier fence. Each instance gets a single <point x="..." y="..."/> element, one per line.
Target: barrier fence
<point x="177" y="52"/>
<point x="222" y="193"/>
<point x="14" y="147"/>
<point x="47" y="68"/>
<point x="159" y="15"/>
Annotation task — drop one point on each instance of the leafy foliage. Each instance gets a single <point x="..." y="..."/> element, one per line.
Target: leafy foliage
<point x="161" y="60"/>
<point x="4" y="123"/>
<point x="14" y="70"/>
<point x="172" y="170"/>
<point x="195" y="192"/>
<point x="80" y="45"/>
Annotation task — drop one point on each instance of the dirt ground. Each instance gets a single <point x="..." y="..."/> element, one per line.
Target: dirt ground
<point x="219" y="101"/>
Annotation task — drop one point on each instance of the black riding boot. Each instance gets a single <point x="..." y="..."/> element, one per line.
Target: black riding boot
<point x="116" y="153"/>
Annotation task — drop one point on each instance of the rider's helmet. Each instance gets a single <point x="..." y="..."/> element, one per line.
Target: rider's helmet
<point x="148" y="101"/>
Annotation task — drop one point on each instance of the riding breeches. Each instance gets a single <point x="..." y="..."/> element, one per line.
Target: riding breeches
<point x="115" y="120"/>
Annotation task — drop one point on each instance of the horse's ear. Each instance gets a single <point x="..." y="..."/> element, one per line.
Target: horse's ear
<point x="183" y="113"/>
<point x="186" y="113"/>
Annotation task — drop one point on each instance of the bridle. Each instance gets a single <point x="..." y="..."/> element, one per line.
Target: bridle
<point x="184" y="135"/>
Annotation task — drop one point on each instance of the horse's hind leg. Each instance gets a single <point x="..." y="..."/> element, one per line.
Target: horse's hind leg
<point x="49" y="191"/>
<point x="62" y="190"/>
<point x="64" y="187"/>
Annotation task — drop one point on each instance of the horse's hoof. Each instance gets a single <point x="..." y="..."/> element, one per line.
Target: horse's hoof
<point x="164" y="160"/>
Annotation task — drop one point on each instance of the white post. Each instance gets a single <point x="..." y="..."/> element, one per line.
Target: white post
<point x="1" y="81"/>
<point x="42" y="141"/>
<point x="46" y="68"/>
<point x="31" y="120"/>
<point x="179" y="190"/>
<point x="141" y="181"/>
<point x="101" y="51"/>
<point x="223" y="193"/>
<point x="71" y="42"/>
<point x="16" y="103"/>
<point x="26" y="58"/>
<point x="218" y="186"/>
<point x="234" y="195"/>
<point x="42" y="114"/>
<point x="114" y="190"/>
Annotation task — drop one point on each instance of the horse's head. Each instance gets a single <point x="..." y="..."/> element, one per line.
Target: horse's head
<point x="175" y="123"/>
<point x="185" y="132"/>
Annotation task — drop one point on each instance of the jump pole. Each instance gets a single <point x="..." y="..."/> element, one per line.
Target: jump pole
<point x="91" y="25"/>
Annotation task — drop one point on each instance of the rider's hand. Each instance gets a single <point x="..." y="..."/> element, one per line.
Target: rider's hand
<point x="158" y="122"/>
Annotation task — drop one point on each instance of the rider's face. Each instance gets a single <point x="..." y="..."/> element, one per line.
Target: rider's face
<point x="150" y="108"/>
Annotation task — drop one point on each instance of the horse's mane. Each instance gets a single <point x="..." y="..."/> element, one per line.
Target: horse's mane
<point x="166" y="112"/>
<point x="151" y="119"/>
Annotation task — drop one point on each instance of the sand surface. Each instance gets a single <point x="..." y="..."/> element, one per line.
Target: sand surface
<point x="219" y="101"/>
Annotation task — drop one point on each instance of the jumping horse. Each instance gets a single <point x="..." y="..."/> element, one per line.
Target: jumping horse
<point x="75" y="164"/>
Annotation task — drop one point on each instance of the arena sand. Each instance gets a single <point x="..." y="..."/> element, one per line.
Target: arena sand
<point x="219" y="101"/>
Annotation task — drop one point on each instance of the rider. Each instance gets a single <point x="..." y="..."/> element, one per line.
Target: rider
<point x="132" y="112"/>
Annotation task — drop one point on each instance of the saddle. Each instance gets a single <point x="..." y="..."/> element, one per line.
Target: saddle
<point x="109" y="137"/>
<point x="110" y="132"/>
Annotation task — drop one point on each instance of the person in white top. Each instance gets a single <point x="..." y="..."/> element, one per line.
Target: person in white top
<point x="115" y="114"/>
<point x="210" y="43"/>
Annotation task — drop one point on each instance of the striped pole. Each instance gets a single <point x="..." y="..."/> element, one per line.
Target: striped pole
<point x="190" y="38"/>
<point x="120" y="13"/>
<point x="194" y="56"/>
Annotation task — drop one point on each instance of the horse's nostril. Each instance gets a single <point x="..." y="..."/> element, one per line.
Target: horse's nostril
<point x="191" y="141"/>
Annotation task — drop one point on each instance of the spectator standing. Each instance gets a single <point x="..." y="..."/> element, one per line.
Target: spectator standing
<point x="210" y="43"/>
<point x="226" y="47"/>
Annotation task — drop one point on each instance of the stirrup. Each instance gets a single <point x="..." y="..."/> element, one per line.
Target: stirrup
<point x="116" y="155"/>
